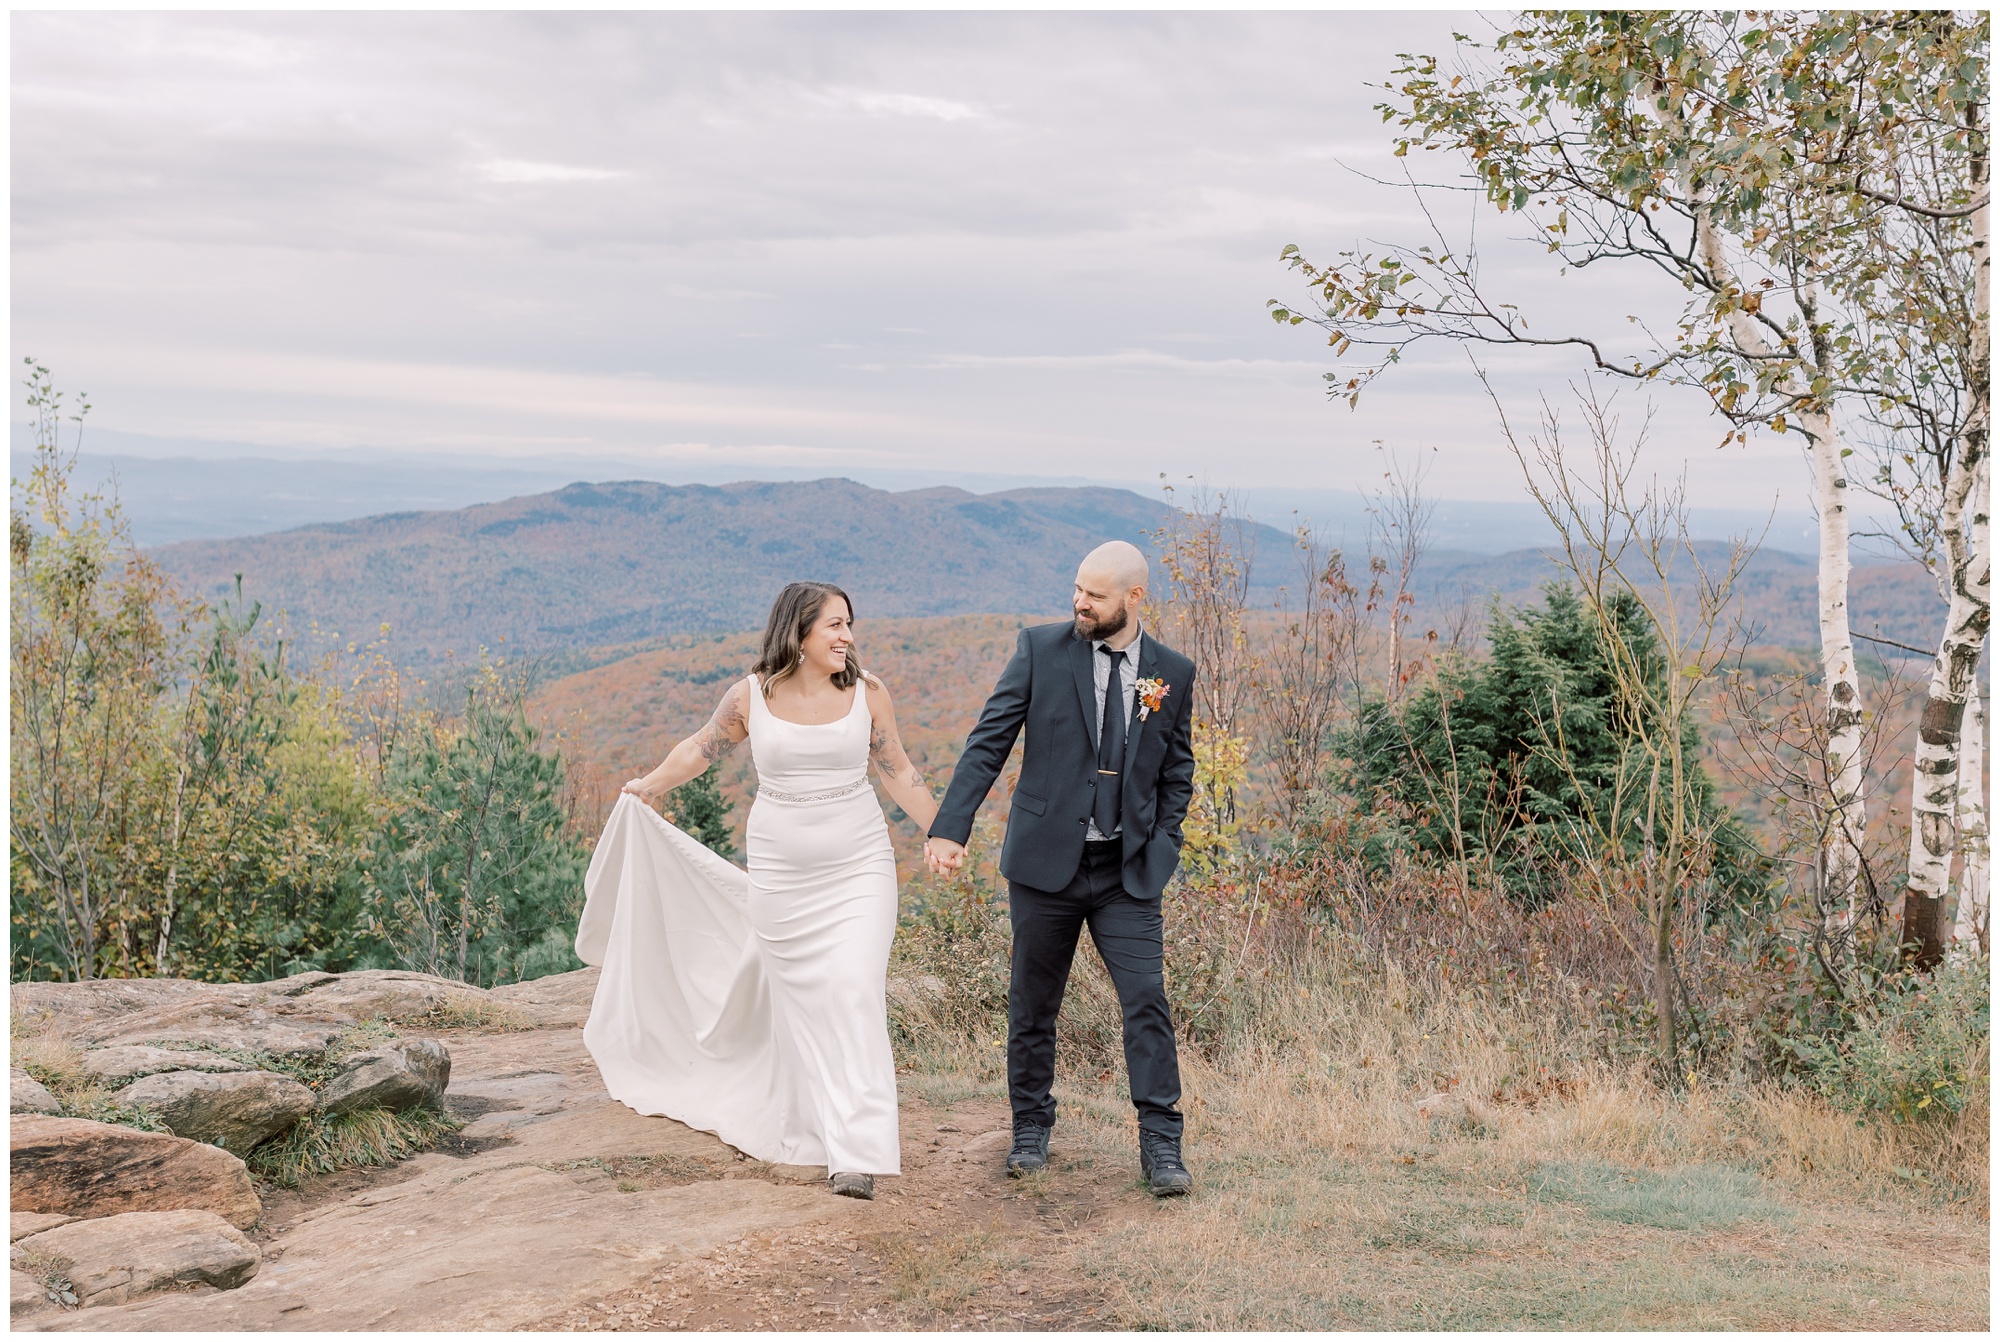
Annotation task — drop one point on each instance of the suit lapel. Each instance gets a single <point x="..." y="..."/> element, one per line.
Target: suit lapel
<point x="1086" y="696"/>
<point x="1148" y="664"/>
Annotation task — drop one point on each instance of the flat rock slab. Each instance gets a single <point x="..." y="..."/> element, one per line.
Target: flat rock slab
<point x="29" y="1096"/>
<point x="101" y="998"/>
<point x="129" y="1062"/>
<point x="390" y="994"/>
<point x="26" y="1294"/>
<point x="33" y="1223"/>
<point x="506" y="1236"/>
<point x="233" y="1110"/>
<point x="111" y="1260"/>
<point x="500" y="1249"/>
<point x="558" y="999"/>
<point x="75" y="1167"/>
<point x="199" y="1025"/>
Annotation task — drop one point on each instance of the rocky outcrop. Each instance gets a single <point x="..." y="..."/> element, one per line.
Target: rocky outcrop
<point x="101" y="998"/>
<point x="384" y="994"/>
<point x="25" y="1095"/>
<point x="234" y="1110"/>
<point x="27" y="1294"/>
<point x="559" y="999"/>
<point x="916" y="992"/>
<point x="75" y="1167"/>
<point x="23" y="1224"/>
<point x="495" y="1233"/>
<point x="200" y="1027"/>
<point x="295" y="1017"/>
<point x="115" y="1259"/>
<point x="129" y="1062"/>
<point x="403" y="1075"/>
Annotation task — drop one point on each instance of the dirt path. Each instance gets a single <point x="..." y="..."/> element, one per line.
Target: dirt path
<point x="558" y="1208"/>
<point x="951" y="1244"/>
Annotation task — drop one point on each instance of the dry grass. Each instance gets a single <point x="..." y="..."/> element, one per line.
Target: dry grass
<point x="1591" y="1199"/>
<point x="943" y="1273"/>
<point x="634" y="1173"/>
<point x="1388" y="1150"/>
<point x="475" y="1011"/>
<point x="321" y="1144"/>
<point x="46" y="1052"/>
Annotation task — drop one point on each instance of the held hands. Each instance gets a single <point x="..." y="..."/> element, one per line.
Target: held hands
<point x="943" y="857"/>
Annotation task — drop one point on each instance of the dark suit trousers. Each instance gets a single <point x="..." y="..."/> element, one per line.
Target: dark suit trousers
<point x="1128" y="935"/>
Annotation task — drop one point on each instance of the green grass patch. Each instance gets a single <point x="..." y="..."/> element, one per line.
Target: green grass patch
<point x="1700" y="1197"/>
<point x="321" y="1144"/>
<point x="105" y="1108"/>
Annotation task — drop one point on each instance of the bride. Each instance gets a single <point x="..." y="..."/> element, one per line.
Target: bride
<point x="752" y="1004"/>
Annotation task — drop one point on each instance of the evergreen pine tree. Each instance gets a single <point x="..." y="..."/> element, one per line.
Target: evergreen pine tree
<point x="699" y="808"/>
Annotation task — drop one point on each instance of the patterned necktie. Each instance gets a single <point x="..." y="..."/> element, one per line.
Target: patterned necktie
<point x="1111" y="748"/>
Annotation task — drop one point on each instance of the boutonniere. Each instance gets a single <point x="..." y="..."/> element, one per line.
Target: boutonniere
<point x="1152" y="692"/>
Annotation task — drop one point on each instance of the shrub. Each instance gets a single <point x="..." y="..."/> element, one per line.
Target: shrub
<point x="1917" y="1053"/>
<point x="1494" y="763"/>
<point x="950" y="969"/>
<point x="476" y="860"/>
<point x="698" y="807"/>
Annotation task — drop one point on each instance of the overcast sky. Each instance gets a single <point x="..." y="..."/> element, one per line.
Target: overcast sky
<point x="1018" y="244"/>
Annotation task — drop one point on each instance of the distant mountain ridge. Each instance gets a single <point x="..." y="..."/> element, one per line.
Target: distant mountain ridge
<point x="626" y="564"/>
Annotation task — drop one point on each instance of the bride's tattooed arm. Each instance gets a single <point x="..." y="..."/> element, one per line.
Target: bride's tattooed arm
<point x="724" y="730"/>
<point x="887" y="751"/>
<point x="901" y="779"/>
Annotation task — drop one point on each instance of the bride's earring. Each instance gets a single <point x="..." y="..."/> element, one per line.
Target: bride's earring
<point x="800" y="660"/>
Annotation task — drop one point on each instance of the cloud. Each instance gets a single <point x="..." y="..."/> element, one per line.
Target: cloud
<point x="521" y="170"/>
<point x="979" y="237"/>
<point x="1133" y="358"/>
<point x="903" y="104"/>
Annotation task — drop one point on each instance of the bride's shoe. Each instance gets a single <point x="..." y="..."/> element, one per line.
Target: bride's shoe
<point x="853" y="1186"/>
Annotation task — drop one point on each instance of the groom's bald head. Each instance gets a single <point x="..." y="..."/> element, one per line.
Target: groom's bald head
<point x="1110" y="584"/>
<point x="1120" y="562"/>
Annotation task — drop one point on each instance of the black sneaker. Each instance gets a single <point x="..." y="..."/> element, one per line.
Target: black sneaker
<point x="1160" y="1164"/>
<point x="1031" y="1150"/>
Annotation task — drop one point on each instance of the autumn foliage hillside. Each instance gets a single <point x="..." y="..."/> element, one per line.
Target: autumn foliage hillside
<point x="617" y="721"/>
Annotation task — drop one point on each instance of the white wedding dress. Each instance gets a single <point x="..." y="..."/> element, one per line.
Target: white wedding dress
<point x="753" y="1004"/>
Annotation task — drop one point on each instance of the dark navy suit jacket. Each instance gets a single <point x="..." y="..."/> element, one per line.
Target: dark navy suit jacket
<point x="1047" y="689"/>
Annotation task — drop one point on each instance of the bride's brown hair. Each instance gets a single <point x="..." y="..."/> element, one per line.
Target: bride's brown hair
<point x="793" y="615"/>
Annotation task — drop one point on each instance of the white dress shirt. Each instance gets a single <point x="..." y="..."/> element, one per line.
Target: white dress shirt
<point x="1128" y="676"/>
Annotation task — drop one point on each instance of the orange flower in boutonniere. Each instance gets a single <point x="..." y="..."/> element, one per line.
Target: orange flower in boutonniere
<point x="1152" y="692"/>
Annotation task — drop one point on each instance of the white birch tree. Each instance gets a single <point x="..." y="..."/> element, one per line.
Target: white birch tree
<point x="1971" y="927"/>
<point x="1758" y="162"/>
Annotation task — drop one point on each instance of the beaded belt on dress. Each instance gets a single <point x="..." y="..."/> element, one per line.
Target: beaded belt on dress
<point x="831" y="794"/>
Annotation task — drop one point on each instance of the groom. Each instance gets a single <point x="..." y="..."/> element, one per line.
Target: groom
<point x="1093" y="835"/>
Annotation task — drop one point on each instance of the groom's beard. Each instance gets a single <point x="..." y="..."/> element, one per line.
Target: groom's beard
<point x="1091" y="630"/>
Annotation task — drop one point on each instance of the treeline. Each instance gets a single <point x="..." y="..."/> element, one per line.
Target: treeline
<point x="188" y="802"/>
<point x="1545" y="796"/>
<point x="1813" y="187"/>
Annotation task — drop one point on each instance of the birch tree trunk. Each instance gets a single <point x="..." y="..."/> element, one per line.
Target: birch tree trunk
<point x="1937" y="772"/>
<point x="1847" y="802"/>
<point x="1970" y="928"/>
<point x="1967" y="578"/>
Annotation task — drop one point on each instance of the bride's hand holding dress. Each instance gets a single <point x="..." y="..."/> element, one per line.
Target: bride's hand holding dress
<point x="752" y="1003"/>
